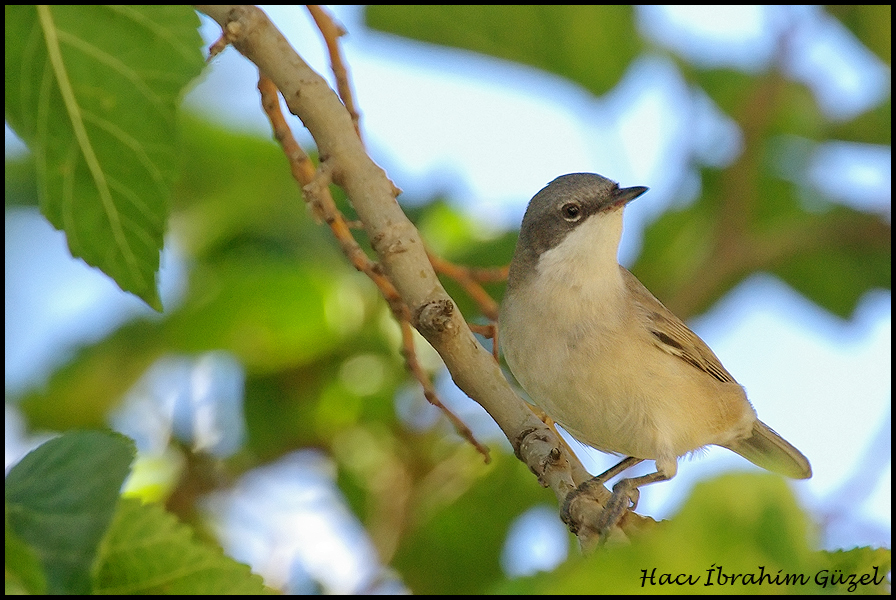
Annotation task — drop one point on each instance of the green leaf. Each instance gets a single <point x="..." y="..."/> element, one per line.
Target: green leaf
<point x="24" y="573"/>
<point x="466" y="534"/>
<point x="830" y="253"/>
<point x="873" y="563"/>
<point x="744" y="525"/>
<point x="266" y="283"/>
<point x="591" y="45"/>
<point x="149" y="552"/>
<point x="60" y="499"/>
<point x="871" y="23"/>
<point x="93" y="91"/>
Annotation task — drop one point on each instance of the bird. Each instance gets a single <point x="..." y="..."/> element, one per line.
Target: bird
<point x="599" y="354"/>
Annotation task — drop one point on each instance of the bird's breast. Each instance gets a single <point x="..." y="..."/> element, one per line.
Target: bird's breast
<point x="589" y="365"/>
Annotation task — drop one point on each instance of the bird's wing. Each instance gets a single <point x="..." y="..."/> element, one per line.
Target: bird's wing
<point x="670" y="334"/>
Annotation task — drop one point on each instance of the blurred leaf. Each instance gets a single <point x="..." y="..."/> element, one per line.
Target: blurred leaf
<point x="20" y="182"/>
<point x="746" y="525"/>
<point x="832" y="254"/>
<point x="871" y="127"/>
<point x="270" y="286"/>
<point x="93" y="90"/>
<point x="266" y="283"/>
<point x="81" y="392"/>
<point x="456" y="549"/>
<point x="24" y="573"/>
<point x="454" y="235"/>
<point x="872" y="564"/>
<point x="871" y="23"/>
<point x="236" y="189"/>
<point x="590" y="45"/>
<point x="148" y="551"/>
<point x="844" y="255"/>
<point x="60" y="499"/>
<point x="269" y="314"/>
<point x="769" y="102"/>
<point x="676" y="246"/>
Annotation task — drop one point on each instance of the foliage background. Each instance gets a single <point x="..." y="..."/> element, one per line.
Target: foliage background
<point x="274" y="357"/>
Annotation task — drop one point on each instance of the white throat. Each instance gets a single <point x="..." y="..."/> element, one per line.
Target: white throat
<point x="587" y="258"/>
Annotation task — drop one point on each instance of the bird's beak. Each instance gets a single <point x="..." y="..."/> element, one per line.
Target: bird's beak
<point x="623" y="196"/>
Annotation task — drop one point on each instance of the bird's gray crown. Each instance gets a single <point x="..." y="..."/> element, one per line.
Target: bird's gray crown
<point x="560" y="207"/>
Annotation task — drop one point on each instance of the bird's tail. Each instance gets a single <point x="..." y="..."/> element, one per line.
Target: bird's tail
<point x="767" y="449"/>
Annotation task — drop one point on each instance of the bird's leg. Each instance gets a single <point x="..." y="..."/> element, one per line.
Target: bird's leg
<point x="625" y="497"/>
<point x="587" y="488"/>
<point x="612" y="472"/>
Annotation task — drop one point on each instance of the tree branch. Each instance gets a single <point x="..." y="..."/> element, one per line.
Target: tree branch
<point x="401" y="251"/>
<point x="315" y="186"/>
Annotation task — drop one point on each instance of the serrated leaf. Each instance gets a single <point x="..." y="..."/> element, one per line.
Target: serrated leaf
<point x="60" y="499"/>
<point x="148" y="551"/>
<point x="93" y="91"/>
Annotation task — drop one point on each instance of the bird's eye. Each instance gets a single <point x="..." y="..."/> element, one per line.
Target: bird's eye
<point x="571" y="211"/>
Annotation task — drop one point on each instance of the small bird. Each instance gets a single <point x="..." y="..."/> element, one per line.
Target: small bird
<point x="601" y="356"/>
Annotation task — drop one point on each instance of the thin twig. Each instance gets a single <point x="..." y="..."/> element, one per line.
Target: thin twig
<point x="332" y="31"/>
<point x="429" y="392"/>
<point x="469" y="280"/>
<point x="315" y="184"/>
<point x="401" y="251"/>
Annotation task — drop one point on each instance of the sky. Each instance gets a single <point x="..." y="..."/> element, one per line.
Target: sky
<point x="821" y="381"/>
